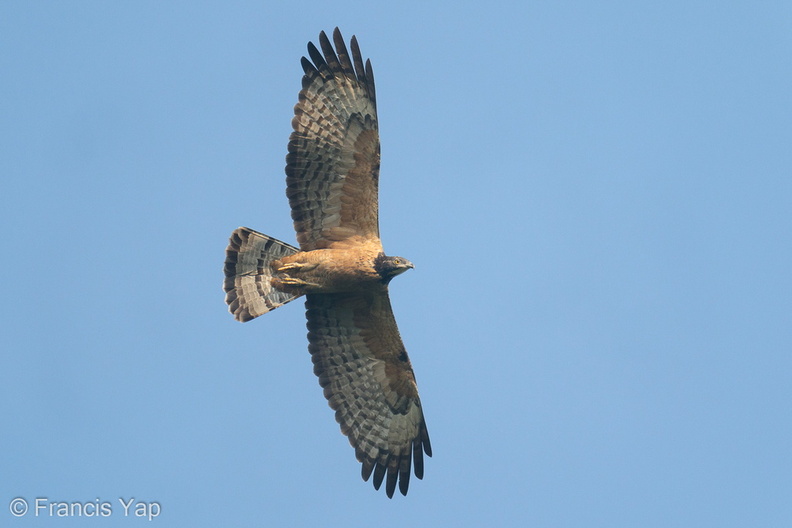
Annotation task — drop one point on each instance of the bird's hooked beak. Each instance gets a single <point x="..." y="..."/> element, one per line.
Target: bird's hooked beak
<point x="404" y="265"/>
<point x="389" y="267"/>
<point x="399" y="265"/>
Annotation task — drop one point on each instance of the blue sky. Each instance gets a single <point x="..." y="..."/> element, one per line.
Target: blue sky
<point x="597" y="199"/>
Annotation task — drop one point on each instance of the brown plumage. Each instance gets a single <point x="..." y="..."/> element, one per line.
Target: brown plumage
<point x="332" y="174"/>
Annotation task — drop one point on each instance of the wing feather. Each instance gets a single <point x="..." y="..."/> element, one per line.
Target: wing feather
<point x="368" y="380"/>
<point x="343" y="55"/>
<point x="332" y="169"/>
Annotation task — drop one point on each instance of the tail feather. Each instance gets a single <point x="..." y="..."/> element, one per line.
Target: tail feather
<point x="248" y="273"/>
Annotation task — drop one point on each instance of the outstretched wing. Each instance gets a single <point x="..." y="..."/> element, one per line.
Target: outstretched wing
<point x="332" y="168"/>
<point x="368" y="380"/>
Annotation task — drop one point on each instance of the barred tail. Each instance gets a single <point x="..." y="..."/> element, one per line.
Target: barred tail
<point x="248" y="273"/>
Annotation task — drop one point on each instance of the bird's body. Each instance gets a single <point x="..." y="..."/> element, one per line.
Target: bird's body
<point x="332" y="185"/>
<point x="332" y="270"/>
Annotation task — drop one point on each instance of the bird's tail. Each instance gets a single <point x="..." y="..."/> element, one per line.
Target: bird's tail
<point x="248" y="273"/>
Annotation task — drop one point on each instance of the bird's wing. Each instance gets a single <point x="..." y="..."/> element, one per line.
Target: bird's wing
<point x="368" y="380"/>
<point x="332" y="169"/>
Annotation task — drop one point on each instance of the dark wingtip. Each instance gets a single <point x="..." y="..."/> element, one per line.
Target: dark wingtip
<point x="316" y="56"/>
<point x="390" y="485"/>
<point x="379" y="473"/>
<point x="404" y="467"/>
<point x="365" y="470"/>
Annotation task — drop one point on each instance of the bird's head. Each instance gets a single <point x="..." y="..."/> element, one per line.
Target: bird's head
<point x="389" y="267"/>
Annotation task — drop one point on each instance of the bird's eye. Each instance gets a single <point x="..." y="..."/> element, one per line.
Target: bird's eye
<point x="397" y="262"/>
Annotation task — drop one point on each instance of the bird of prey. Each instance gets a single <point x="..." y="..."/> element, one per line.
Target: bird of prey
<point x="332" y="175"/>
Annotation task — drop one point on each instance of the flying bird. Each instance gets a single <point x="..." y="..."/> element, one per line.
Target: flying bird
<point x="332" y="175"/>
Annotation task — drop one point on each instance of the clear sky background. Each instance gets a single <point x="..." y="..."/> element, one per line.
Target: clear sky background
<point x="597" y="197"/>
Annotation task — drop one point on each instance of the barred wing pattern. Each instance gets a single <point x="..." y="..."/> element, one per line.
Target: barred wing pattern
<point x="332" y="168"/>
<point x="368" y="380"/>
<point x="332" y="184"/>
